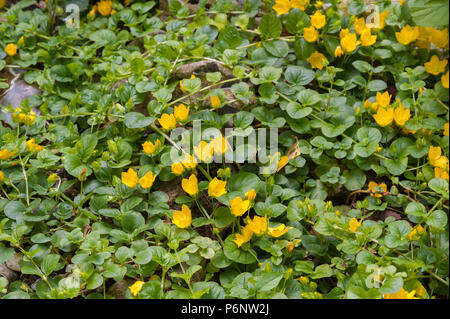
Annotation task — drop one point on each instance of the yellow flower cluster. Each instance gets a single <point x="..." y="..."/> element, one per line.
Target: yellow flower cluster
<point x="401" y="294"/>
<point x="130" y="178"/>
<point x="136" y="287"/>
<point x="416" y="233"/>
<point x="169" y="121"/>
<point x="318" y="21"/>
<point x="439" y="162"/>
<point x="373" y="192"/>
<point x="429" y="35"/>
<point x="385" y="115"/>
<point x="360" y="27"/>
<point x="149" y="147"/>
<point x="6" y="154"/>
<point x="26" y="118"/>
<point x="354" y="224"/>
<point x="32" y="146"/>
<point x="240" y="206"/>
<point x="284" y="6"/>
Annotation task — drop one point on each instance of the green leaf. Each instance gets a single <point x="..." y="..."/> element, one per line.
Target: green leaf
<point x="49" y="263"/>
<point x="277" y="48"/>
<point x="415" y="209"/>
<point x="239" y="255"/>
<point x="299" y="75"/>
<point x="5" y="253"/>
<point x="268" y="281"/>
<point x="137" y="120"/>
<point x="270" y="26"/>
<point x="354" y="179"/>
<point x="429" y="13"/>
<point x="296" y="111"/>
<point x="437" y="219"/>
<point x="61" y="73"/>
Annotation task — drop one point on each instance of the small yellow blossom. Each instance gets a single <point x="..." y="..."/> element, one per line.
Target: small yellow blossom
<point x="439" y="38"/>
<point x="367" y="39"/>
<point x="444" y="79"/>
<point x="278" y="231"/>
<point x="360" y="25"/>
<point x="244" y="237"/>
<point x="189" y="161"/>
<point x="384" y="117"/>
<point x="181" y="113"/>
<point x="282" y="162"/>
<point x="317" y="60"/>
<point x="2" y="176"/>
<point x="291" y="246"/>
<point x="354" y="224"/>
<point x="190" y="185"/>
<point x="182" y="218"/>
<point x="383" y="99"/>
<point x="250" y="195"/>
<point x="436" y="159"/>
<point x="401" y="294"/>
<point x="136" y="287"/>
<point x="104" y="7"/>
<point x="282" y="6"/>
<point x="220" y="144"/>
<point x="239" y="206"/>
<point x="338" y="52"/>
<point x="11" y="49"/>
<point x="216" y="187"/>
<point x="32" y="146"/>
<point x="167" y="121"/>
<point x="149" y="147"/>
<point x="407" y="34"/>
<point x="416" y="233"/>
<point x="318" y="20"/>
<point x="177" y="168"/>
<point x="349" y="42"/>
<point x="446" y="129"/>
<point x="20" y="41"/>
<point x="435" y="66"/>
<point x="258" y="225"/>
<point x="6" y="154"/>
<point x="441" y="173"/>
<point x="93" y="11"/>
<point x="310" y="34"/>
<point x="215" y="101"/>
<point x="147" y="180"/>
<point x="204" y="151"/>
<point x="130" y="178"/>
<point x="373" y="191"/>
<point x="401" y="115"/>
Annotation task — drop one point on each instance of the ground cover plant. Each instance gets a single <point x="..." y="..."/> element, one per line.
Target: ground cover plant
<point x="119" y="178"/>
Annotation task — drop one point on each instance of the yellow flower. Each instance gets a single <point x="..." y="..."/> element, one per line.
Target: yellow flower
<point x="416" y="233"/>
<point x="126" y="3"/>
<point x="439" y="38"/>
<point x="204" y="151"/>
<point x="383" y="100"/>
<point x="407" y="34"/>
<point x="304" y="280"/>
<point x="291" y="246"/>
<point x="360" y="25"/>
<point x="167" y="121"/>
<point x="32" y="146"/>
<point x="6" y="154"/>
<point x="435" y="158"/>
<point x="343" y="33"/>
<point x="29" y="118"/>
<point x="215" y="101"/>
<point x="11" y="49"/>
<point x="149" y="147"/>
<point x="147" y="180"/>
<point x="319" y="4"/>
<point x="424" y="38"/>
<point x="278" y="231"/>
<point x="401" y="294"/>
<point x="354" y="224"/>
<point x="104" y="7"/>
<point x="93" y="11"/>
<point x="318" y="20"/>
<point x="239" y="206"/>
<point x="441" y="173"/>
<point x="20" y="41"/>
<point x="349" y="43"/>
<point x="190" y="185"/>
<point x="338" y="52"/>
<point x="113" y="12"/>
<point x="310" y="34"/>
<point x="2" y="176"/>
<point x="435" y="66"/>
<point x="299" y="4"/>
<point x="177" y="168"/>
<point x="444" y="80"/>
<point x="216" y="187"/>
<point x="401" y="115"/>
<point x="220" y="144"/>
<point x="373" y="191"/>
<point x="52" y="177"/>
<point x="258" y="225"/>
<point x="181" y="113"/>
<point x="384" y="117"/>
<point x="317" y="60"/>
<point x="189" y="161"/>
<point x="382" y="18"/>
<point x="130" y="178"/>
<point x="282" y="162"/>
<point x="244" y="237"/>
<point x="367" y="39"/>
<point x="282" y="6"/>
<point x="182" y="218"/>
<point x="136" y="287"/>
<point x="250" y="195"/>
<point x="446" y="129"/>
